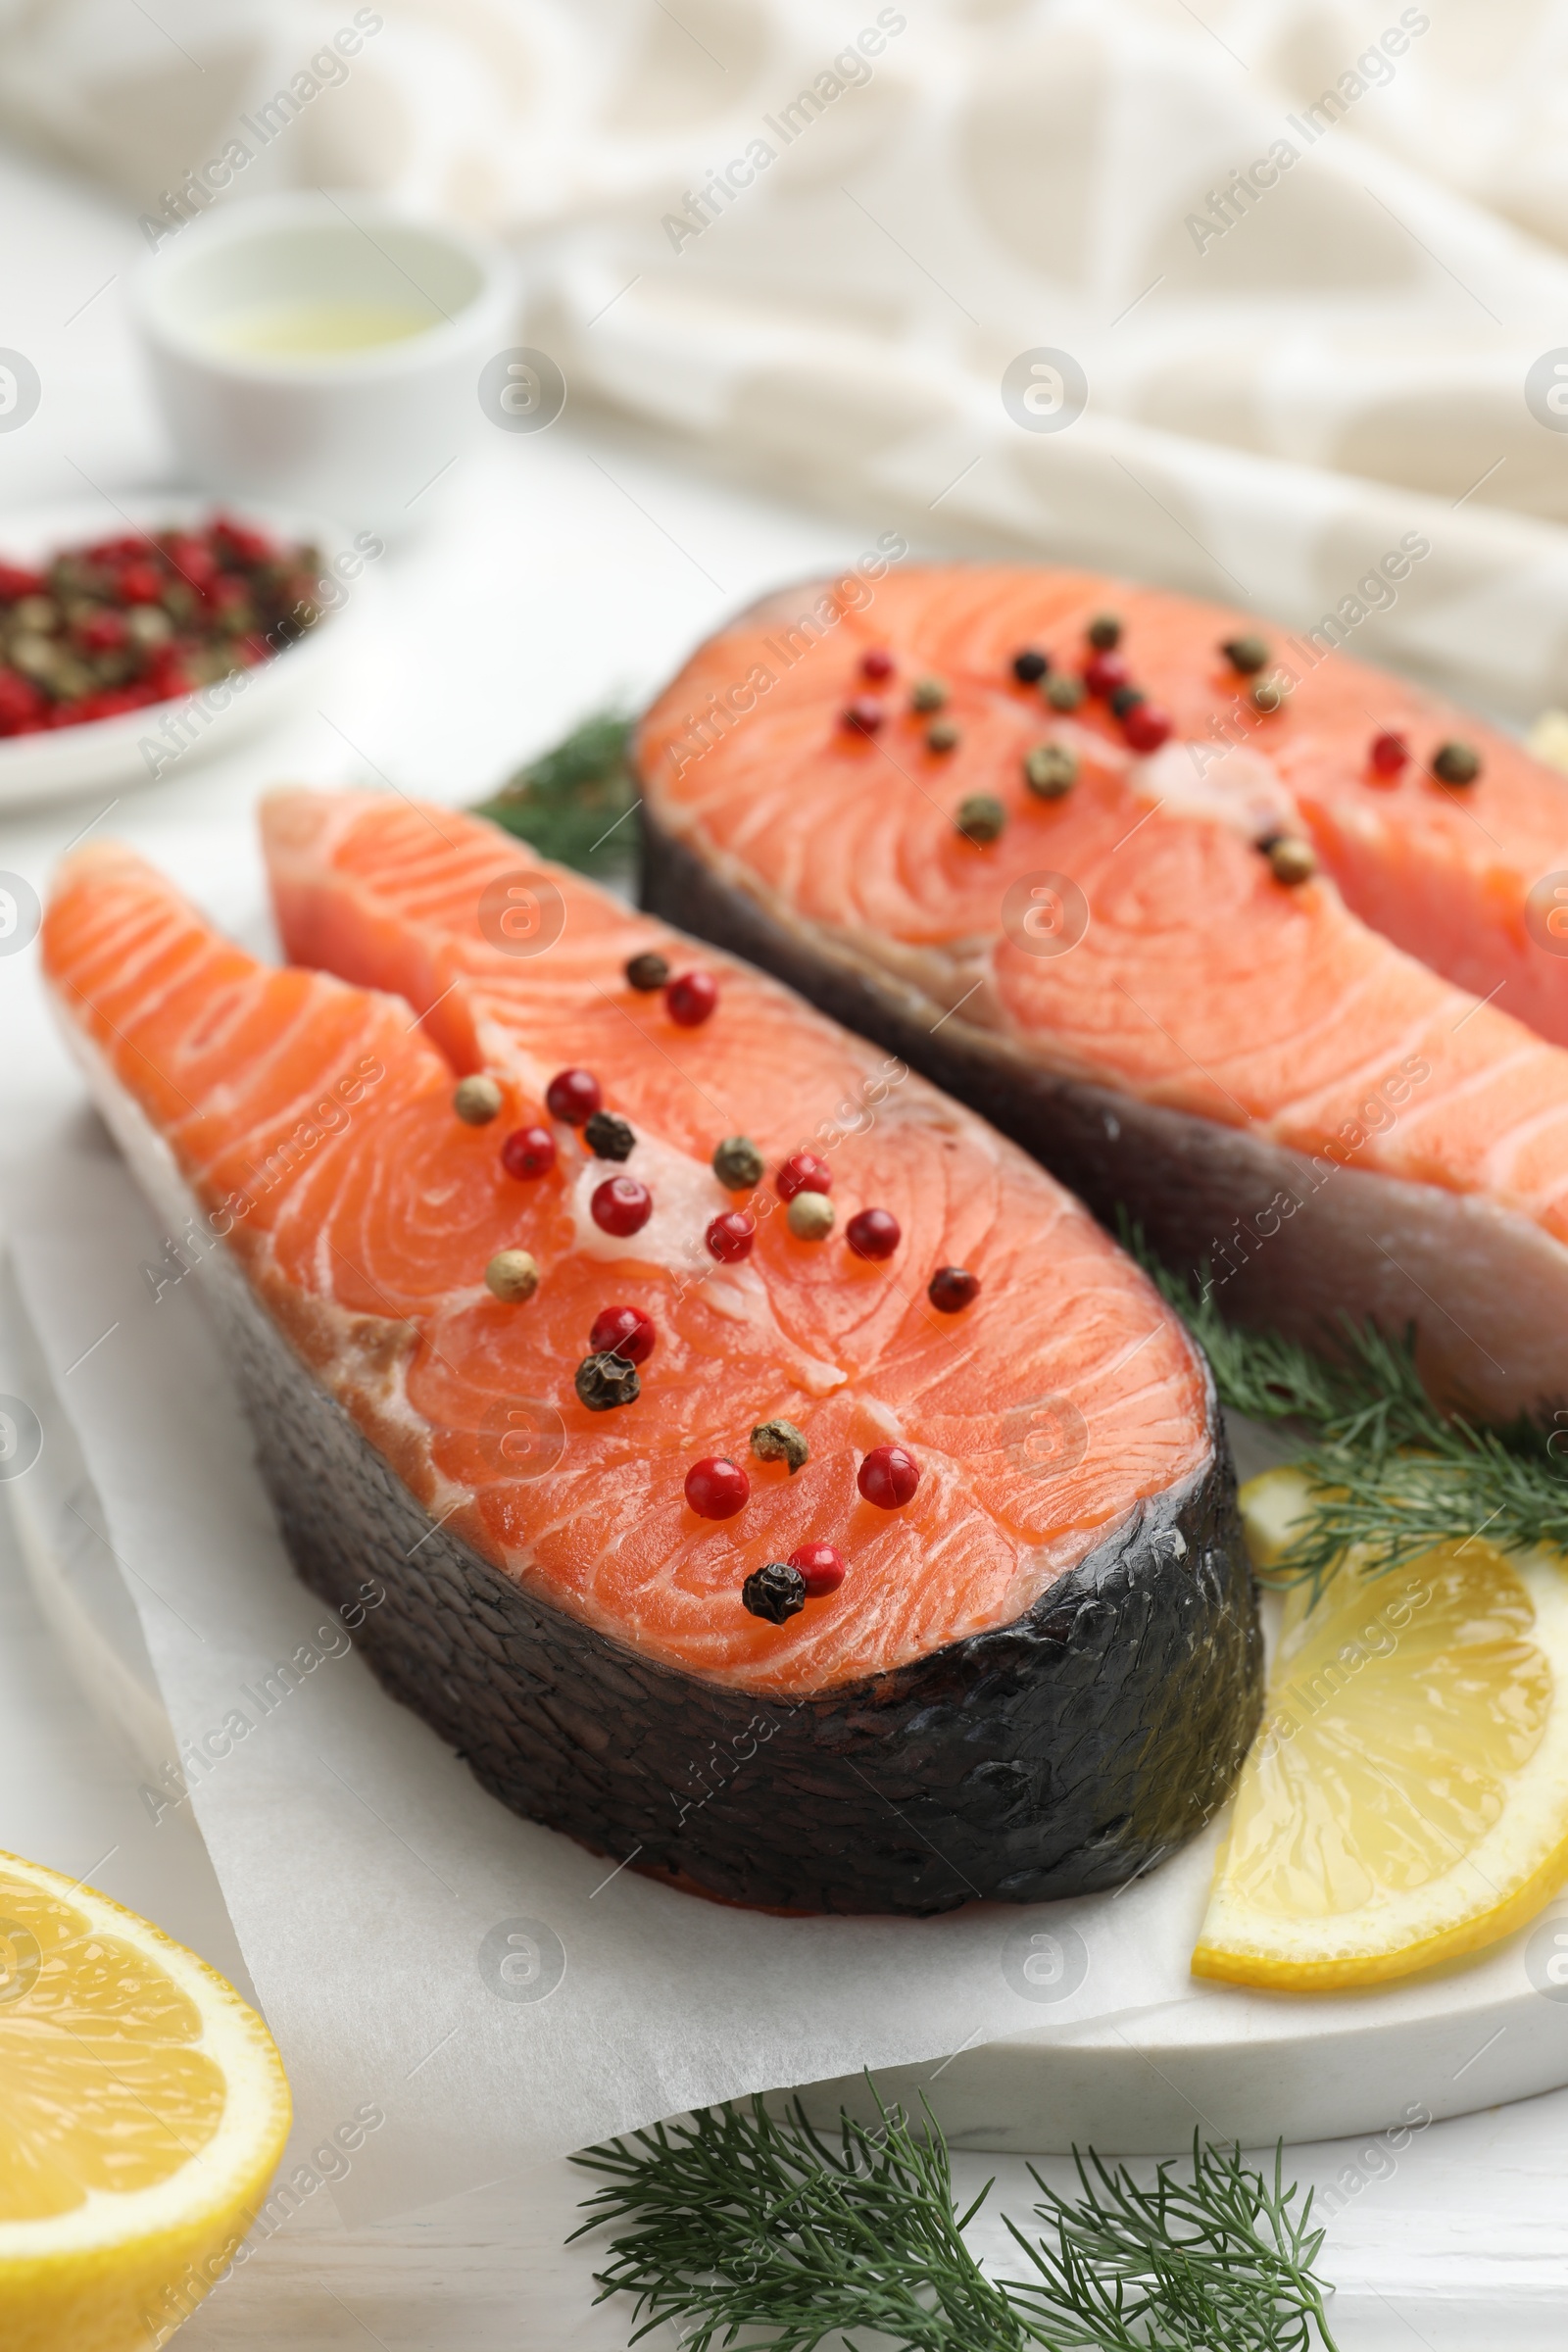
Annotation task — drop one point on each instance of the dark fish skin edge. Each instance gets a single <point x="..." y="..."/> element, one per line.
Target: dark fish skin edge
<point x="1060" y="1754"/>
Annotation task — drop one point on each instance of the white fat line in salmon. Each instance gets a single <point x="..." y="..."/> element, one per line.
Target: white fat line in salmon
<point x="204" y="1751"/>
<point x="328" y="1116"/>
<point x="1299" y="1699"/>
<point x="331" y="2161"/>
<point x="1373" y="70"/>
<point x="187" y="721"/>
<point x="1375" y="592"/>
<point x="788" y="646"/>
<point x="1379" y="1112"/>
<point x="851" y="70"/>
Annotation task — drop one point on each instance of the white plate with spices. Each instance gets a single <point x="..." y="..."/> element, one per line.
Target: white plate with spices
<point x="75" y="648"/>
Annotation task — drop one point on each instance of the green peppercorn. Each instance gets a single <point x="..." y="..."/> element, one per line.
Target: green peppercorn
<point x="942" y="736"/>
<point x="1126" y="699"/>
<point x="1290" y="859"/>
<point x="927" y="694"/>
<point x="981" y="817"/>
<point x="477" y="1100"/>
<point x="1064" y="692"/>
<point x="609" y="1138"/>
<point x="1455" y="763"/>
<point x="1051" y="771"/>
<point x="37" y="612"/>
<point x="738" y="1164"/>
<point x="1104" y="633"/>
<point x="647" y="972"/>
<point x="1246" y="654"/>
<point x="607" y="1380"/>
<point x="1268" y="694"/>
<point x="781" y="1441"/>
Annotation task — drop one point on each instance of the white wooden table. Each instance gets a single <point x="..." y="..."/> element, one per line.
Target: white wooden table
<point x="570" y="565"/>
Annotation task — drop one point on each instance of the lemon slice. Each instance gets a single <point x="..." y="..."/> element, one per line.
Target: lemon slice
<point x="1406" y="1798"/>
<point x="143" y="2109"/>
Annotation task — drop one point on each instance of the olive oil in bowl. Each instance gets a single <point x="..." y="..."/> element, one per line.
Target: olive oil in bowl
<point x="318" y="330"/>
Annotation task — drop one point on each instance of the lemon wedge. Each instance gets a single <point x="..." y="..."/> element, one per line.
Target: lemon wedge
<point x="143" y="2109"/>
<point x="1406" y="1798"/>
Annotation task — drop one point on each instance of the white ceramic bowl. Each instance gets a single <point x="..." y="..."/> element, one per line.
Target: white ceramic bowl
<point x="368" y="431"/>
<point x="109" y="750"/>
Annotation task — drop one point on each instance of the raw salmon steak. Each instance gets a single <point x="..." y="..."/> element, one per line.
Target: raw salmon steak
<point x="1040" y="1670"/>
<point x="1261" y="944"/>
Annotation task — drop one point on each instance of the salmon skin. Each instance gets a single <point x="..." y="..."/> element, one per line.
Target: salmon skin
<point x="1347" y="1092"/>
<point x="1036" y="1675"/>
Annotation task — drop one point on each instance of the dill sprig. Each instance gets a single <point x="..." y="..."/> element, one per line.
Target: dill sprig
<point x="1390" y="1472"/>
<point x="741" y="2220"/>
<point x="574" y="804"/>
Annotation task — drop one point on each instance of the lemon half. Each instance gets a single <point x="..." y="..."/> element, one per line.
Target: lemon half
<point x="143" y="2109"/>
<point x="1406" y="1798"/>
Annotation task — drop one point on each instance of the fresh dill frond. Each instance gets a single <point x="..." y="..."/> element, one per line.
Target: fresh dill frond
<point x="1220" y="2258"/>
<point x="1390" y="1471"/>
<point x="738" y="2220"/>
<point x="574" y="804"/>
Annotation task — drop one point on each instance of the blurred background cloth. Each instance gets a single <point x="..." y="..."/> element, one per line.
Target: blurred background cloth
<point x="812" y="241"/>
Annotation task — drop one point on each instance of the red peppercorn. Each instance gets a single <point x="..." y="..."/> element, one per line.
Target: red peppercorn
<point x="1105" y="672"/>
<point x="528" y="1152"/>
<point x="803" y="1172"/>
<point x="20" y="702"/>
<point x="622" y="1206"/>
<point x="717" y="1488"/>
<point x="1389" y="753"/>
<point x="103" y="632"/>
<point x="192" y="559"/>
<point x="1146" y="726"/>
<point x="140" y="584"/>
<point x="573" y="1096"/>
<point x="820" y="1567"/>
<point x="888" y="1477"/>
<point x="952" y="1289"/>
<point x="15" y="583"/>
<point x="873" y="1233"/>
<point x="623" y="1331"/>
<point x="876" y="664"/>
<point x="863" y="716"/>
<point x="690" y="998"/>
<point x="730" y="1237"/>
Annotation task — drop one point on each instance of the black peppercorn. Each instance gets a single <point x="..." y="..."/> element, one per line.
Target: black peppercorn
<point x="774" y="1592"/>
<point x="1104" y="633"/>
<point x="1246" y="654"/>
<point x="1124" y="698"/>
<point x="1455" y="763"/>
<point x="1030" y="666"/>
<point x="605" y="1381"/>
<point x="609" y="1138"/>
<point x="647" y="971"/>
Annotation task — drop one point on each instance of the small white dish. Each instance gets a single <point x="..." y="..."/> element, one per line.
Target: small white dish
<point x="325" y="349"/>
<point x="111" y="751"/>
